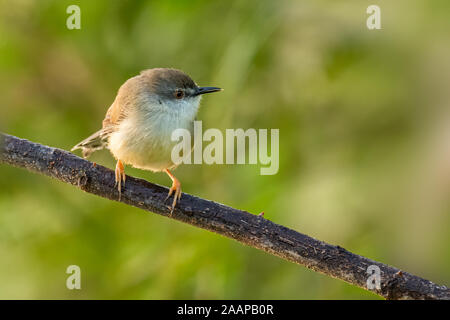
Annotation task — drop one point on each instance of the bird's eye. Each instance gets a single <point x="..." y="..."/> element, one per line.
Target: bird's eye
<point x="179" y="94"/>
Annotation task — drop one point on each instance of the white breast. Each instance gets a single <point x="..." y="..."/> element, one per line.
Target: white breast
<point x="143" y="139"/>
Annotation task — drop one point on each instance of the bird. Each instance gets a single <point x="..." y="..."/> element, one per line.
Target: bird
<point x="138" y="125"/>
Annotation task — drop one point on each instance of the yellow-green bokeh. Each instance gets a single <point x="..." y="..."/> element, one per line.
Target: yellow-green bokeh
<point x="364" y="123"/>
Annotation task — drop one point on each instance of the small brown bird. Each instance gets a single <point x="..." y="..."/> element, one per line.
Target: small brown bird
<point x="138" y="126"/>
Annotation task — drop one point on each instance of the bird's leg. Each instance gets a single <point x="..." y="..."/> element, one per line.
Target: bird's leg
<point x="176" y="187"/>
<point x="120" y="176"/>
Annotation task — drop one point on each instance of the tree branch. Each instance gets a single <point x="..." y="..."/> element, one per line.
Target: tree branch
<point x="249" y="229"/>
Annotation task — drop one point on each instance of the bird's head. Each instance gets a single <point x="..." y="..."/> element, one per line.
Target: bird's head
<point x="174" y="89"/>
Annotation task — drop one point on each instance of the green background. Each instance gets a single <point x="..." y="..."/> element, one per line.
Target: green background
<point x="364" y="142"/>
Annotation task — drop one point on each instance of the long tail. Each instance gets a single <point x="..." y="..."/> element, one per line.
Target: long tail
<point x="94" y="142"/>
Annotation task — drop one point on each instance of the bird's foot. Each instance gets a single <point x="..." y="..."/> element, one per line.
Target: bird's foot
<point x="175" y="190"/>
<point x="120" y="177"/>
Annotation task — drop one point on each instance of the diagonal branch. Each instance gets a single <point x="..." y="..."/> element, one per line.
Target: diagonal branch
<point x="249" y="229"/>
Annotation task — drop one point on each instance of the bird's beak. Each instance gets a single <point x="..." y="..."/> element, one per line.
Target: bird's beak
<point x="203" y="90"/>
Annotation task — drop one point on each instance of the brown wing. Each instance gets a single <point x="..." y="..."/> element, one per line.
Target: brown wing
<point x="113" y="116"/>
<point x="124" y="102"/>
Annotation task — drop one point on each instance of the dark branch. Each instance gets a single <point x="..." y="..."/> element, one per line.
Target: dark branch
<point x="249" y="229"/>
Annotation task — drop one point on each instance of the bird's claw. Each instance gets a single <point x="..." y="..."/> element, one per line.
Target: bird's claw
<point x="176" y="191"/>
<point x="120" y="177"/>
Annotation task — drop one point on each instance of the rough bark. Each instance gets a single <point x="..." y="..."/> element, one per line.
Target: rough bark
<point x="249" y="229"/>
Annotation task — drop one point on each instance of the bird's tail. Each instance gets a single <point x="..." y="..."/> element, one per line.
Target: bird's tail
<point x="94" y="142"/>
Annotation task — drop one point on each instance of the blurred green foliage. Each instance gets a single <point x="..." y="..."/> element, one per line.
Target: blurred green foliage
<point x="364" y="142"/>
